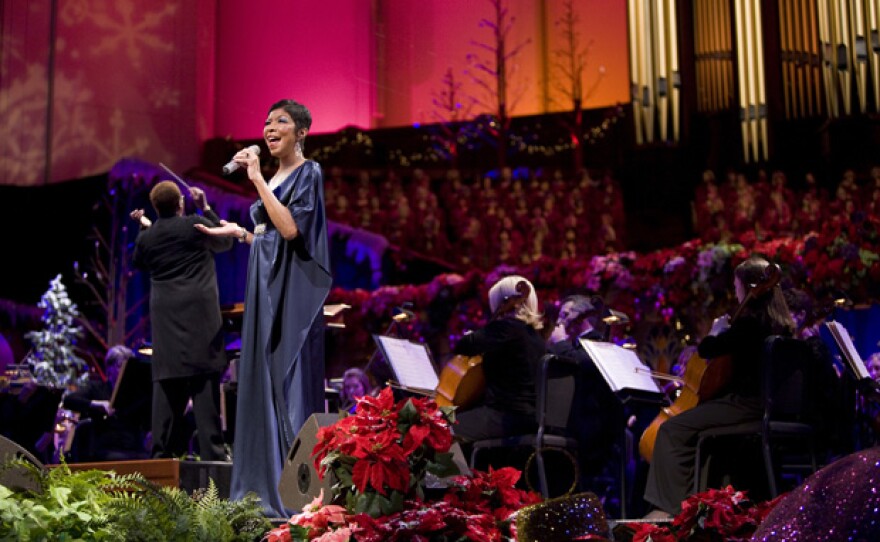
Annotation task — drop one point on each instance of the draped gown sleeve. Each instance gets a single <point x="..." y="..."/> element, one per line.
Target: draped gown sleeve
<point x="281" y="371"/>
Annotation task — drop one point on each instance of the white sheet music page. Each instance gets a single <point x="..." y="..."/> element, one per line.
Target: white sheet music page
<point x="621" y="368"/>
<point x="848" y="349"/>
<point x="411" y="363"/>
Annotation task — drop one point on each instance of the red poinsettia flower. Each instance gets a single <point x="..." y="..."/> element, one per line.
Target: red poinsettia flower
<point x="377" y="412"/>
<point x="380" y="462"/>
<point x="431" y="428"/>
<point x="643" y="531"/>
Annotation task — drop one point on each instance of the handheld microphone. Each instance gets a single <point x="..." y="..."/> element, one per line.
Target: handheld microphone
<point x="233" y="166"/>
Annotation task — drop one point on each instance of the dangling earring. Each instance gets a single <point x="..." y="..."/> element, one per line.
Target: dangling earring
<point x="298" y="149"/>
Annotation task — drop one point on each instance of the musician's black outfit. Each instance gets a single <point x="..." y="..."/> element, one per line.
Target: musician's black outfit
<point x="511" y="351"/>
<point x="189" y="354"/>
<point x="99" y="437"/>
<point x="670" y="478"/>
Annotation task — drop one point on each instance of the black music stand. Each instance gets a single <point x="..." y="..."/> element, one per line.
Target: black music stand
<point x="630" y="381"/>
<point x="132" y="397"/>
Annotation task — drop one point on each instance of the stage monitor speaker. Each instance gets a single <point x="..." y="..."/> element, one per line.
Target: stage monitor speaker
<point x="299" y="483"/>
<point x="15" y="477"/>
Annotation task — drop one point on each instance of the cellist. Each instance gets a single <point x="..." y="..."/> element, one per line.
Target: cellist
<point x="511" y="346"/>
<point x="670" y="478"/>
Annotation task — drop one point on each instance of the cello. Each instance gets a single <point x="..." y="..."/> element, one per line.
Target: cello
<point x="462" y="381"/>
<point x="704" y="379"/>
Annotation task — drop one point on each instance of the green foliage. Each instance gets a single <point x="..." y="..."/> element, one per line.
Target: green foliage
<point x="67" y="506"/>
<point x="166" y="513"/>
<point x="98" y="505"/>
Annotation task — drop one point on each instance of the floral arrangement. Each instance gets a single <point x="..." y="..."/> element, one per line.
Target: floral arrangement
<point x="652" y="288"/>
<point x="380" y="457"/>
<point x="477" y="508"/>
<point x="845" y="256"/>
<point x="716" y="514"/>
<point x="381" y="454"/>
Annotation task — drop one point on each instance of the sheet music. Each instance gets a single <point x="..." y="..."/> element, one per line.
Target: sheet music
<point x="621" y="368"/>
<point x="410" y="361"/>
<point x="332" y="310"/>
<point x="848" y="349"/>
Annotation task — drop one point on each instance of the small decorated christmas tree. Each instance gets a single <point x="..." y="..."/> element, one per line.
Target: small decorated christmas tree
<point x="52" y="360"/>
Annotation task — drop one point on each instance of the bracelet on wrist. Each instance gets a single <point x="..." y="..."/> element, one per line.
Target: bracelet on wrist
<point x="242" y="235"/>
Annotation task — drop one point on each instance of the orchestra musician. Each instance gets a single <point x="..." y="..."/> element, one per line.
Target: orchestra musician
<point x="670" y="477"/>
<point x="511" y="347"/>
<point x="110" y="435"/>
<point x="596" y="414"/>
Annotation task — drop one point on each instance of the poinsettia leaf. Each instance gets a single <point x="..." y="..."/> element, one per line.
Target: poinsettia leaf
<point x="373" y="505"/>
<point x="298" y="532"/>
<point x="443" y="465"/>
<point x="343" y="474"/>
<point x="392" y="505"/>
<point x="448" y="413"/>
<point x="363" y="502"/>
<point x="407" y="416"/>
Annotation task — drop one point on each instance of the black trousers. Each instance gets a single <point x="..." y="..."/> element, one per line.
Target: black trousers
<point x="170" y="397"/>
<point x="671" y="476"/>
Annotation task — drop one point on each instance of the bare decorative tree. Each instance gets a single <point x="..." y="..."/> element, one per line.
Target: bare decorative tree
<point x="452" y="110"/>
<point x="570" y="61"/>
<point x="494" y="75"/>
<point x="106" y="274"/>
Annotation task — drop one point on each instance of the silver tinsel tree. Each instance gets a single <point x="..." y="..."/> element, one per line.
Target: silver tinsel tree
<point x="52" y="360"/>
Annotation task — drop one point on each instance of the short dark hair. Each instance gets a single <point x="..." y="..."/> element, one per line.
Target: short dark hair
<point x="300" y="114"/>
<point x="165" y="198"/>
<point x="117" y="354"/>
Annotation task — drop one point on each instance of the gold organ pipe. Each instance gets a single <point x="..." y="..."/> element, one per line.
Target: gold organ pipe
<point x="751" y="80"/>
<point x="634" y="70"/>
<point x="797" y="24"/>
<point x="811" y="40"/>
<point x="728" y="63"/>
<point x="761" y="102"/>
<point x="826" y="58"/>
<point x="673" y="68"/>
<point x="857" y="35"/>
<point x="842" y="33"/>
<point x="785" y="39"/>
<point x="874" y="32"/>
<point x="647" y="68"/>
<point x="660" y="71"/>
<point x="743" y="92"/>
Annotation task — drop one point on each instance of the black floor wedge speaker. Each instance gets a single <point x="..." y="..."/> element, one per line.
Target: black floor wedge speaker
<point x="16" y="477"/>
<point x="299" y="483"/>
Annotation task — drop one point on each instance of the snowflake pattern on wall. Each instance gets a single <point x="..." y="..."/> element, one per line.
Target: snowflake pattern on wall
<point x="23" y="116"/>
<point x="132" y="28"/>
<point x="90" y="133"/>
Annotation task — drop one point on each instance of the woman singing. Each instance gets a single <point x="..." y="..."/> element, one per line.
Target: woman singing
<point x="281" y="372"/>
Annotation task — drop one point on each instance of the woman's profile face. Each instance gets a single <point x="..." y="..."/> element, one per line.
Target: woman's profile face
<point x="739" y="288"/>
<point x="874" y="367"/>
<point x="353" y="388"/>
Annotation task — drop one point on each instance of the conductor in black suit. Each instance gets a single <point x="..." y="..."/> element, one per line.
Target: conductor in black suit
<point x="188" y="348"/>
